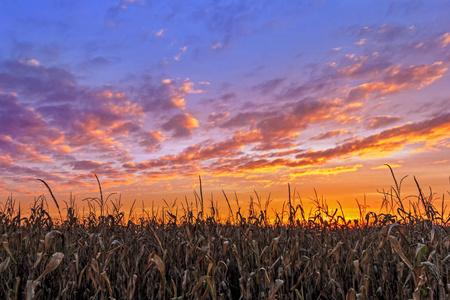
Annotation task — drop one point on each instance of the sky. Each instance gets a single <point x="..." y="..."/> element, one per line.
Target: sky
<point x="250" y="95"/>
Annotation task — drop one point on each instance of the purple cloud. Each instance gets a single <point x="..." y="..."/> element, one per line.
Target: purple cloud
<point x="181" y="125"/>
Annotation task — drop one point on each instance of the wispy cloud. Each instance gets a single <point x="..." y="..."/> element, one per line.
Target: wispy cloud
<point x="382" y="122"/>
<point x="325" y="171"/>
<point x="328" y="134"/>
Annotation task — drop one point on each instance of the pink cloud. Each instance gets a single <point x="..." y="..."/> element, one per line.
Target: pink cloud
<point x="445" y="39"/>
<point x="151" y="140"/>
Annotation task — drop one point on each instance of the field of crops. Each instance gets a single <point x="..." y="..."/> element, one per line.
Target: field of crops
<point x="109" y="254"/>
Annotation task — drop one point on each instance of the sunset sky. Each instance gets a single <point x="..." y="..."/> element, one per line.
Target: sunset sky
<point x="251" y="95"/>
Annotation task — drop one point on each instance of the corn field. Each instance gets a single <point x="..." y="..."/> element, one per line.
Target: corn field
<point x="105" y="253"/>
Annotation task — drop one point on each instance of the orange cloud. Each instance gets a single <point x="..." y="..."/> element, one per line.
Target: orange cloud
<point x="6" y="160"/>
<point x="398" y="78"/>
<point x="182" y="125"/>
<point x="385" y="167"/>
<point x="360" y="42"/>
<point x="325" y="171"/>
<point x="441" y="161"/>
<point x="428" y="132"/>
<point x="105" y="94"/>
<point x="29" y="62"/>
<point x="64" y="149"/>
<point x="179" y="93"/>
<point x="416" y="75"/>
<point x="124" y="109"/>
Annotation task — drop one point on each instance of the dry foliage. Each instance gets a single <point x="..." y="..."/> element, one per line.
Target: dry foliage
<point x="161" y="255"/>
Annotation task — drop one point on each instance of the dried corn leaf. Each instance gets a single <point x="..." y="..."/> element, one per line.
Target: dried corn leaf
<point x="4" y="264"/>
<point x="49" y="238"/>
<point x="108" y="283"/>
<point x="398" y="249"/>
<point x="197" y="285"/>
<point x="131" y="287"/>
<point x="30" y="289"/>
<point x="38" y="259"/>
<point x="54" y="262"/>
<point x="6" y="247"/>
<point x="417" y="291"/>
<point x="159" y="264"/>
<point x="335" y="248"/>
<point x="94" y="266"/>
<point x="276" y="286"/>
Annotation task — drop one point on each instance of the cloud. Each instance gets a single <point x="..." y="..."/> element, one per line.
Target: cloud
<point x="445" y="39"/>
<point x="97" y="167"/>
<point x="382" y="121"/>
<point x="16" y="173"/>
<point x="385" y="167"/>
<point x="33" y="79"/>
<point x="329" y="134"/>
<point x="6" y="161"/>
<point x="151" y="140"/>
<point x="299" y="117"/>
<point x="167" y="95"/>
<point x="398" y="78"/>
<point x="160" y="33"/>
<point x="325" y="171"/>
<point x="366" y="67"/>
<point x="217" y="45"/>
<point x="79" y="116"/>
<point x="25" y="135"/>
<point x="429" y="133"/>
<point x="202" y="152"/>
<point x="269" y="86"/>
<point x="30" y="62"/>
<point x="284" y="153"/>
<point x="214" y="119"/>
<point x="423" y="135"/>
<point x="388" y="33"/>
<point x="21" y="151"/>
<point x="99" y="62"/>
<point x="441" y="161"/>
<point x="178" y="56"/>
<point x="88" y="165"/>
<point x="242" y="119"/>
<point x="21" y="122"/>
<point x="280" y="126"/>
<point x="360" y="42"/>
<point x="181" y="125"/>
<point x="60" y="116"/>
<point x="416" y="75"/>
<point x="63" y="118"/>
